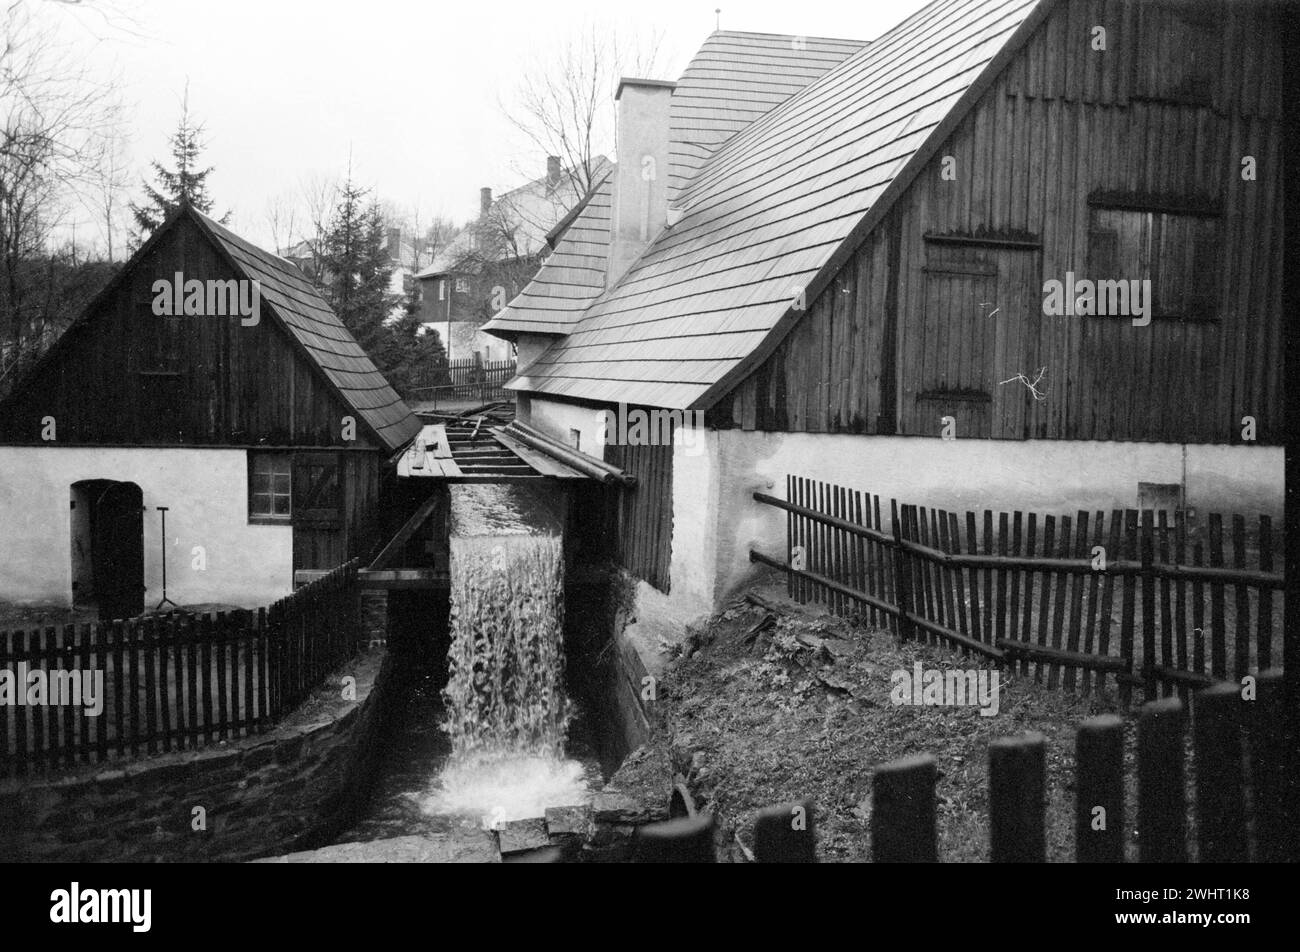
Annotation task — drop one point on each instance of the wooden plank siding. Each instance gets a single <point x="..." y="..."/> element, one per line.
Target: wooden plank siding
<point x="232" y="386"/>
<point x="1160" y="119"/>
<point x="645" y="517"/>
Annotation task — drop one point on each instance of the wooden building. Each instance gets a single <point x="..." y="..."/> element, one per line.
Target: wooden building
<point x="855" y="285"/>
<point x="252" y="416"/>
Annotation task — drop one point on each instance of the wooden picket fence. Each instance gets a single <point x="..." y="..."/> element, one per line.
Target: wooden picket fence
<point x="469" y="379"/>
<point x="1075" y="600"/>
<point x="178" y="681"/>
<point x="1239" y="794"/>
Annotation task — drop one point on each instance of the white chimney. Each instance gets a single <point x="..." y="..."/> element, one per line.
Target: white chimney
<point x="641" y="177"/>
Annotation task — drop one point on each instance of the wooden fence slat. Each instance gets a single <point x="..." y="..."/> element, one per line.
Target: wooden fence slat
<point x="1218" y="643"/>
<point x="1166" y="607"/>
<point x="205" y="679"/>
<point x="883" y="569"/>
<point x="1031" y="582"/>
<point x="1150" y="686"/>
<point x="1241" y="634"/>
<point x="1129" y="606"/>
<point x="93" y="729"/>
<point x="20" y="711"/>
<point x="1077" y="584"/>
<point x="1000" y="625"/>
<point x="1198" y="613"/>
<point x="901" y="586"/>
<point x="1017" y="783"/>
<point x="148" y="644"/>
<point x="1094" y="593"/>
<point x="43" y="731"/>
<point x="1180" y="632"/>
<point x="786" y="834"/>
<point x="117" y="633"/>
<point x="790" y="580"/>
<point x="972" y="545"/>
<point x="903" y="822"/>
<point x="958" y="574"/>
<point x="1017" y="577"/>
<point x="990" y="636"/>
<point x="1099" y="782"/>
<point x="1220" y="785"/>
<point x="220" y="636"/>
<point x="1061" y="588"/>
<point x="1162" y="806"/>
<point x="69" y="743"/>
<point x="1045" y="590"/>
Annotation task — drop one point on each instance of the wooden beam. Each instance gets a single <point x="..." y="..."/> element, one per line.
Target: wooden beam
<point x="404" y="534"/>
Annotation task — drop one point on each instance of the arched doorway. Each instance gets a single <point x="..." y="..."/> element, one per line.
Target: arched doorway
<point x="108" y="547"/>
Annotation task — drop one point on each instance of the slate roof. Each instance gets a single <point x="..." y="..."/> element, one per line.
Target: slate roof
<point x="733" y="79"/>
<point x="767" y="210"/>
<point x="318" y="329"/>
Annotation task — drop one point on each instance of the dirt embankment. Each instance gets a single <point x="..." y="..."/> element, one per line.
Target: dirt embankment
<point x="763" y="707"/>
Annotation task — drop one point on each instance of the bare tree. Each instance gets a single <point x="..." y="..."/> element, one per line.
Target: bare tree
<point x="564" y="105"/>
<point x="59" y="123"/>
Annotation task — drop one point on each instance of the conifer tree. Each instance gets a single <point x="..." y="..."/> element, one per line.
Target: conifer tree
<point x="186" y="182"/>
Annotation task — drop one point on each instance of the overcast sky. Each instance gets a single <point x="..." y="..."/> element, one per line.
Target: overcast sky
<point x="415" y="92"/>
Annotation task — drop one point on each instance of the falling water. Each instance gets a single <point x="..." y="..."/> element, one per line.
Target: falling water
<point x="506" y="707"/>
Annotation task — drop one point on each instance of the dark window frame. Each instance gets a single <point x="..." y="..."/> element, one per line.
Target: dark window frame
<point x="270" y="518"/>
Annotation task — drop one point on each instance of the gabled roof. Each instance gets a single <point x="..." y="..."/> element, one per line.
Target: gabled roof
<point x="734" y="78"/>
<point x="776" y="209"/>
<point x="299" y="310"/>
<point x="327" y="342"/>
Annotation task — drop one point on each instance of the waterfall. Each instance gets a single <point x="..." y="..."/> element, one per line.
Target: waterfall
<point x="506" y="687"/>
<point x="506" y="706"/>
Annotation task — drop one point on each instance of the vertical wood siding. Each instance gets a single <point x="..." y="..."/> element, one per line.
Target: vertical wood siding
<point x="1165" y="114"/>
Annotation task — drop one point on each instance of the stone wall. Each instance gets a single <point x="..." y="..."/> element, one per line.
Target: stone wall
<point x="294" y="787"/>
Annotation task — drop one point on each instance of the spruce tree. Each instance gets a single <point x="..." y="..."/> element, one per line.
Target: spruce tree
<point x="357" y="269"/>
<point x="187" y="182"/>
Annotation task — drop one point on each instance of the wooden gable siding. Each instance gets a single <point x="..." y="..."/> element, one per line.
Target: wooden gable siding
<point x="898" y="341"/>
<point x="225" y="383"/>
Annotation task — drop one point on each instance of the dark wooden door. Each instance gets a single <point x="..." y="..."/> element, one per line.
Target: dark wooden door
<point x="117" y="551"/>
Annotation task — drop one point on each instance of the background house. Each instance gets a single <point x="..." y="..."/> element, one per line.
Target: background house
<point x="493" y="259"/>
<point x="864" y="263"/>
<point x="265" y="441"/>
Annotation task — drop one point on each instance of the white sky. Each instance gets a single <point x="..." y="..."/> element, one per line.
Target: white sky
<point x="286" y="88"/>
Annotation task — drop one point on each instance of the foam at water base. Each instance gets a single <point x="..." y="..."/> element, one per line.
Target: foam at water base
<point x="506" y="708"/>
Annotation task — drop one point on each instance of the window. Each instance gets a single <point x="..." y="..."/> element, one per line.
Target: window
<point x="575" y="439"/>
<point x="269" y="487"/>
<point x="1176" y="252"/>
<point x="442" y="290"/>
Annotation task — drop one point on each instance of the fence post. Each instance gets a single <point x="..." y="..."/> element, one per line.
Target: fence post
<point x="1162" y="803"/>
<point x="901" y="583"/>
<point x="1150" y="685"/>
<point x="1220" y="785"/>
<point x="902" y="811"/>
<point x="1099" y="783"/>
<point x="786" y="834"/>
<point x="1277" y="839"/>
<point x="1016" y="786"/>
<point x="688" y="839"/>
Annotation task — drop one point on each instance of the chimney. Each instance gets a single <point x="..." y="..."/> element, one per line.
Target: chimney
<point x="484" y="202"/>
<point x="552" y="172"/>
<point x="641" y="177"/>
<point x="395" y="244"/>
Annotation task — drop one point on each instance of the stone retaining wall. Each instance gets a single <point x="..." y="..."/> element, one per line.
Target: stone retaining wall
<point x="294" y="787"/>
